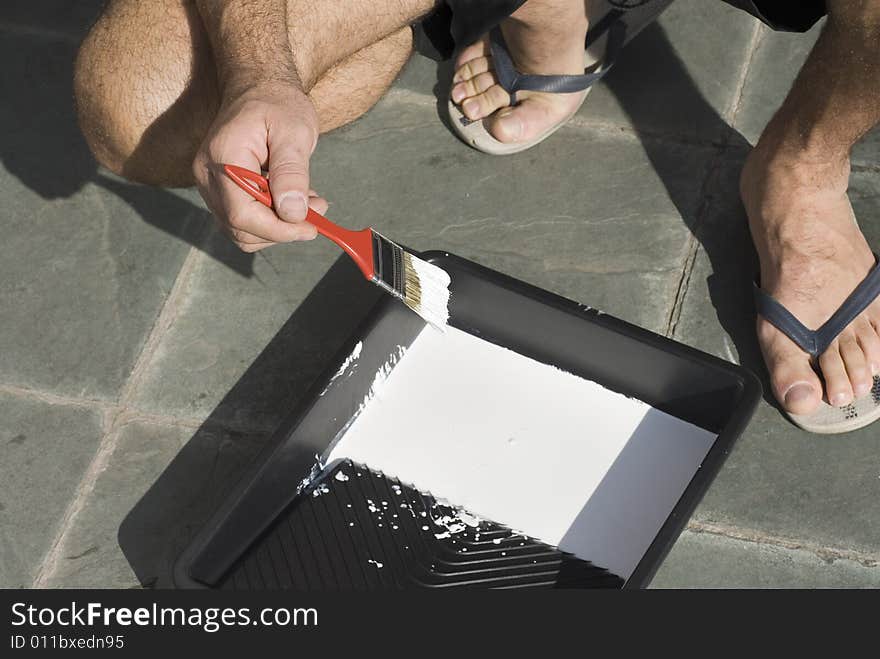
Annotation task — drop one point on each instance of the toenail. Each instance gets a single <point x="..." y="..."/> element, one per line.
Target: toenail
<point x="839" y="399"/>
<point x="862" y="389"/>
<point x="470" y="107"/>
<point x="457" y="95"/>
<point x="511" y="126"/>
<point x="799" y="393"/>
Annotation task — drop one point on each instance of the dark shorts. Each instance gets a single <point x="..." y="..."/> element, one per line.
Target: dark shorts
<point x="784" y="15"/>
<point x="457" y="23"/>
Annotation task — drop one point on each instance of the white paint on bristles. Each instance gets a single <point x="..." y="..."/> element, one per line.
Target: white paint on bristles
<point x="433" y="300"/>
<point x="589" y="470"/>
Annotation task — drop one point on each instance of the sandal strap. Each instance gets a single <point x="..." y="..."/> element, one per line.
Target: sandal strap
<point x="512" y="81"/>
<point x="815" y="342"/>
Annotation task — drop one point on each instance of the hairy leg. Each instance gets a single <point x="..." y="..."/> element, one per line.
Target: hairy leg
<point x="794" y="187"/>
<point x="146" y="84"/>
<point x="351" y="87"/>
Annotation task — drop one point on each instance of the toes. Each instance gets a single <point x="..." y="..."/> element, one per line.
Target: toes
<point x="474" y="51"/>
<point x="473" y="86"/>
<point x="856" y="365"/>
<point x="523" y="122"/>
<point x="795" y="383"/>
<point x="484" y="104"/>
<point x="869" y="341"/>
<point x="472" y="68"/>
<point x="837" y="383"/>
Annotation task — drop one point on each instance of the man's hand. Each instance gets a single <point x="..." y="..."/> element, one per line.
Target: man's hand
<point x="271" y="126"/>
<point x="265" y="122"/>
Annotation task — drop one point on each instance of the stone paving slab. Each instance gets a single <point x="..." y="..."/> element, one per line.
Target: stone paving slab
<point x="779" y="479"/>
<point x="777" y="59"/>
<point x="44" y="451"/>
<point x="141" y="512"/>
<point x="551" y="216"/>
<point x="704" y="560"/>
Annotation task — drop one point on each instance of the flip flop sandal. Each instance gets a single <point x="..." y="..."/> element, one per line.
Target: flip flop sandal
<point x="474" y="133"/>
<point x="829" y="419"/>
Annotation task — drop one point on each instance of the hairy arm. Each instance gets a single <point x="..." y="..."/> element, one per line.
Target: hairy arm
<point x="250" y="41"/>
<point x="265" y="121"/>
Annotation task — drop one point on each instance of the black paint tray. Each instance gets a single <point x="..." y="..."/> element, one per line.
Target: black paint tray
<point x="276" y="530"/>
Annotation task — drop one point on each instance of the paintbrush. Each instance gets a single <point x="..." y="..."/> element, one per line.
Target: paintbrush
<point x="422" y="286"/>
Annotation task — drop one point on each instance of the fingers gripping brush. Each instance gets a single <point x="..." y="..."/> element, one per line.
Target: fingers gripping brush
<point x="421" y="286"/>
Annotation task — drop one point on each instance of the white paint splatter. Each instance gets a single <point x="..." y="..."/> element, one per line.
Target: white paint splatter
<point x="350" y="361"/>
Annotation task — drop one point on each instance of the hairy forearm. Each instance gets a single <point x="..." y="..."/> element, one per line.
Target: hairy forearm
<point x="250" y="42"/>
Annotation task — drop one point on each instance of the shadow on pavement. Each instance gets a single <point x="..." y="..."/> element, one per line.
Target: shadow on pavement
<point x="161" y="524"/>
<point x="727" y="244"/>
<point x="41" y="144"/>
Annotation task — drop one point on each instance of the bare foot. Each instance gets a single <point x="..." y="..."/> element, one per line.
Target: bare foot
<point x="547" y="43"/>
<point x="812" y="256"/>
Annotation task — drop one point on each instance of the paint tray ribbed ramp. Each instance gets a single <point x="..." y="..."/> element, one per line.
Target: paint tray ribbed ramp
<point x="356" y="529"/>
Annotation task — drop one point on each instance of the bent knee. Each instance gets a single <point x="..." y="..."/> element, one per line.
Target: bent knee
<point x="97" y="94"/>
<point x="129" y="105"/>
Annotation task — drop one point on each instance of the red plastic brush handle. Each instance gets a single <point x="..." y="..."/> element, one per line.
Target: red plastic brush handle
<point x="358" y="244"/>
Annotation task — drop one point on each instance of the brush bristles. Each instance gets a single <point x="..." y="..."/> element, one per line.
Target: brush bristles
<point x="427" y="290"/>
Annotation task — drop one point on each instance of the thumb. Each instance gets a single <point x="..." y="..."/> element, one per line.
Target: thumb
<point x="289" y="151"/>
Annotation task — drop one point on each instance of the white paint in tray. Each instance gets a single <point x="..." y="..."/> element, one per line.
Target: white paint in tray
<point x="552" y="455"/>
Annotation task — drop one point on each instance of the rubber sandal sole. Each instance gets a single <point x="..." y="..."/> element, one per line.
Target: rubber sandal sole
<point x="830" y="420"/>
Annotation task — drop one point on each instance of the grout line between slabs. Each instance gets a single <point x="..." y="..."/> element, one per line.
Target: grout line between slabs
<point x="825" y="552"/>
<point x="736" y="105"/>
<point x="128" y="412"/>
<point x="55" y="399"/>
<point x="692" y="248"/>
<point x="129" y="415"/>
<point x="114" y="418"/>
